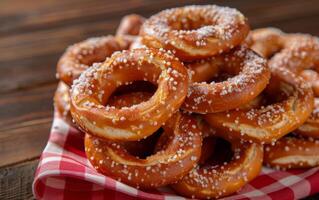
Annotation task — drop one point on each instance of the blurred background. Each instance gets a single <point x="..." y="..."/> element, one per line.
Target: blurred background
<point x="34" y="34"/>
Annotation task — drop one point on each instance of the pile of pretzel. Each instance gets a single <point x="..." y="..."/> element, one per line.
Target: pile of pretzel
<point x="193" y="99"/>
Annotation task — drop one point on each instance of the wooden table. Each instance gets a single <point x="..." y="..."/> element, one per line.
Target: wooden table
<point x="34" y="34"/>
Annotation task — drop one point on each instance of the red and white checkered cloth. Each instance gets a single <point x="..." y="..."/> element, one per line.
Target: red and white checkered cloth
<point x="65" y="173"/>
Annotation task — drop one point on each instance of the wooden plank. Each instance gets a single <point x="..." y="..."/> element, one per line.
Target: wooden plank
<point x="38" y="32"/>
<point x="37" y="50"/>
<point x="67" y="12"/>
<point x="301" y="25"/>
<point x="25" y="121"/>
<point x="16" y="180"/>
<point x="269" y="12"/>
<point x="44" y="15"/>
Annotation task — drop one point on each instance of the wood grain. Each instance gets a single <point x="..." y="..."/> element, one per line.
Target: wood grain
<point x="25" y="119"/>
<point x="16" y="180"/>
<point x="38" y="36"/>
<point x="34" y="34"/>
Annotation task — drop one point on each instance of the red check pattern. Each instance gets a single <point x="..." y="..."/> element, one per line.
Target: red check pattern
<point x="65" y="173"/>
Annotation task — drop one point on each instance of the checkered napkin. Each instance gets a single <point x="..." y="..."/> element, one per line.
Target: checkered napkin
<point x="65" y="173"/>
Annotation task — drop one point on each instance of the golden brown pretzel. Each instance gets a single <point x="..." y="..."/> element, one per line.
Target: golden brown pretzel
<point x="62" y="101"/>
<point x="91" y="92"/>
<point x="128" y="96"/>
<point x="82" y="55"/>
<point x="215" y="181"/>
<point x="292" y="152"/>
<point x="313" y="77"/>
<point x="130" y="25"/>
<point x="62" y="96"/>
<point x="251" y="77"/>
<point x="311" y="127"/>
<point x="137" y="43"/>
<point x="297" y="52"/>
<point x="268" y="123"/>
<point x="266" y="41"/>
<point x="195" y="32"/>
<point x="202" y="70"/>
<point x="168" y="164"/>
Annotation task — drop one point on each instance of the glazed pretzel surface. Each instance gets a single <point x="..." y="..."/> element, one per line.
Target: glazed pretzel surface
<point x="251" y="75"/>
<point x="194" y="32"/>
<point x="296" y="52"/>
<point x="175" y="157"/>
<point x="292" y="153"/>
<point x="130" y="25"/>
<point x="266" y="124"/>
<point x="82" y="55"/>
<point x="91" y="91"/>
<point x="215" y="181"/>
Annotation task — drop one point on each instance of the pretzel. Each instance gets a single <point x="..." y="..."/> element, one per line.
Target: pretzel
<point x="129" y="96"/>
<point x="297" y="52"/>
<point x="137" y="43"/>
<point x="130" y="25"/>
<point x="195" y="32"/>
<point x="266" y="41"/>
<point x="62" y="101"/>
<point x="312" y="77"/>
<point x="181" y="151"/>
<point x="292" y="153"/>
<point x="91" y="92"/>
<point x="251" y="77"/>
<point x="311" y="127"/>
<point x="292" y="104"/>
<point x="203" y="70"/>
<point x="215" y="181"/>
<point x="82" y="55"/>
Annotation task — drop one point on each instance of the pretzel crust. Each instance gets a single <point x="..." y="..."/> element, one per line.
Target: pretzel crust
<point x="215" y="181"/>
<point x="82" y="55"/>
<point x="292" y="153"/>
<point x="267" y="124"/>
<point x="92" y="90"/>
<point x="252" y="76"/>
<point x="180" y="151"/>
<point x="195" y="32"/>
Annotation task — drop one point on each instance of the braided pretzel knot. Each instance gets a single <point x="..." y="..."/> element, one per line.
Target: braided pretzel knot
<point x="181" y="150"/>
<point x="92" y="90"/>
<point x="195" y="32"/>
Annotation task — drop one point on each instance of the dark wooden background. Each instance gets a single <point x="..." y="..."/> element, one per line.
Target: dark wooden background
<point x="34" y="34"/>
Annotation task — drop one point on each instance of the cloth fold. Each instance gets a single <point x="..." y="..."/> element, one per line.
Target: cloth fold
<point x="65" y="173"/>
